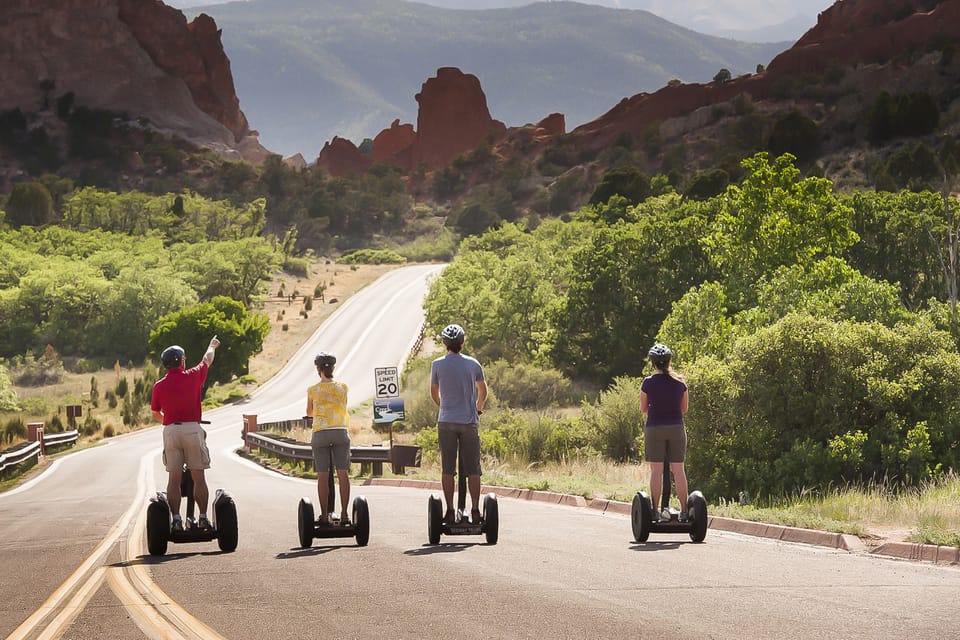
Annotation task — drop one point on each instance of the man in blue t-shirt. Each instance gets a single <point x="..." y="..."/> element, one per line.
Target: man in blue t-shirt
<point x="458" y="387"/>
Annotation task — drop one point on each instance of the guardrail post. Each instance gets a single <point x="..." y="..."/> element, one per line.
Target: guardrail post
<point x="35" y="434"/>
<point x="249" y="425"/>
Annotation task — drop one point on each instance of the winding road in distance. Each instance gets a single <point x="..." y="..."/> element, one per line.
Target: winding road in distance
<point x="73" y="560"/>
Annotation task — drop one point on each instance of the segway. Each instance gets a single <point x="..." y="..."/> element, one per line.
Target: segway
<point x="359" y="526"/>
<point x="641" y="514"/>
<point x="489" y="524"/>
<point x="224" y="521"/>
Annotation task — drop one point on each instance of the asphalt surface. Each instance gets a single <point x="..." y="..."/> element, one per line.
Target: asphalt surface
<point x="557" y="571"/>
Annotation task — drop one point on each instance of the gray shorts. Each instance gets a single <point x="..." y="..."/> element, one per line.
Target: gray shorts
<point x="466" y="438"/>
<point x="185" y="442"/>
<point x="322" y="441"/>
<point x="659" y="441"/>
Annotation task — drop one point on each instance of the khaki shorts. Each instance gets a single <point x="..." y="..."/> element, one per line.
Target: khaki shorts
<point x="660" y="441"/>
<point x="185" y="442"/>
<point x="323" y="441"/>
<point x="466" y="438"/>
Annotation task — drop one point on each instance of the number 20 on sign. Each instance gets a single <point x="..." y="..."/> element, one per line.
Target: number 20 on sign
<point x="388" y="382"/>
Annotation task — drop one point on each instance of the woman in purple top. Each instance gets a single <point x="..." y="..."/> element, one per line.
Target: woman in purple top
<point x="663" y="398"/>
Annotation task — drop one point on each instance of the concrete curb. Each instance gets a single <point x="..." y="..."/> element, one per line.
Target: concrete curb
<point x="844" y="542"/>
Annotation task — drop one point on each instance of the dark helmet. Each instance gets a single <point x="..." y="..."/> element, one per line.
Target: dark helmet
<point x="659" y="355"/>
<point x="453" y="334"/>
<point x="325" y="359"/>
<point x="172" y="357"/>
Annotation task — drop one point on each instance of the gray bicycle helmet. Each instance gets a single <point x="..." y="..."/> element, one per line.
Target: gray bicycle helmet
<point x="453" y="334"/>
<point x="659" y="355"/>
<point x="172" y="357"/>
<point x="325" y="359"/>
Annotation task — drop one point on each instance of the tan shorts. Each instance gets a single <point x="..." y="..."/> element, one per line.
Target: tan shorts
<point x="185" y="442"/>
<point x="659" y="442"/>
<point x="335" y="439"/>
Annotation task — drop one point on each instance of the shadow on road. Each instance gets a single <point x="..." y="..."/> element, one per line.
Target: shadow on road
<point x="657" y="546"/>
<point x="452" y="547"/>
<point x="162" y="559"/>
<point x="312" y="551"/>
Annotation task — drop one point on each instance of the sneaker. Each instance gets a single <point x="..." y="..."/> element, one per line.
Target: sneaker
<point x="684" y="517"/>
<point x="177" y="525"/>
<point x="654" y="516"/>
<point x="203" y="523"/>
<point x="665" y="515"/>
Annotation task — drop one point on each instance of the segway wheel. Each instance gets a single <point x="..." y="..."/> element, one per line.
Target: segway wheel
<point x="491" y="518"/>
<point x="361" y="520"/>
<point x="641" y="516"/>
<point x="305" y="522"/>
<point x="225" y="510"/>
<point x="697" y="507"/>
<point x="158" y="527"/>
<point x="434" y="519"/>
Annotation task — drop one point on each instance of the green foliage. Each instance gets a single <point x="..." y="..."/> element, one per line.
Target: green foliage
<point x="526" y="386"/>
<point x="29" y="203"/>
<point x="372" y="256"/>
<point x="707" y="184"/>
<point x="31" y="371"/>
<point x="788" y="409"/>
<point x="699" y="324"/>
<point x="911" y="115"/>
<point x="914" y="167"/>
<point x="899" y="238"/>
<point x="8" y="395"/>
<point x="615" y="421"/>
<point x="723" y="76"/>
<point x="796" y="134"/>
<point x="629" y="182"/>
<point x="772" y="219"/>
<point x="14" y="430"/>
<point x="241" y="334"/>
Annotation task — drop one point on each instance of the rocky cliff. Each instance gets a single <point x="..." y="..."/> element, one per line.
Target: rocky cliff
<point x="135" y="56"/>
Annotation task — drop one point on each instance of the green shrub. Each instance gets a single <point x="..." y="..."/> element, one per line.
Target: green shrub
<point x="615" y="420"/>
<point x="14" y="430"/>
<point x="372" y="256"/>
<point x="526" y="386"/>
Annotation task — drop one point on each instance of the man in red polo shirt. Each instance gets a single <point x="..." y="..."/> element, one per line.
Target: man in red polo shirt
<point x="176" y="403"/>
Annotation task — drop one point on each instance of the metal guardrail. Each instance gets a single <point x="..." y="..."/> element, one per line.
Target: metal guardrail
<point x="374" y="455"/>
<point x="20" y="453"/>
<point x="57" y="439"/>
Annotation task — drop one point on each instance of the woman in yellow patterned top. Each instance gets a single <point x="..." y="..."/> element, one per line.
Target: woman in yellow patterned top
<point x="327" y="405"/>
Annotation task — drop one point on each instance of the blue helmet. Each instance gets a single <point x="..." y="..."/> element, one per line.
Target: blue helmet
<point x="172" y="357"/>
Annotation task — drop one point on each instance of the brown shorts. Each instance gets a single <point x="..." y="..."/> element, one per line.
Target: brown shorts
<point x="465" y="438"/>
<point x="662" y="441"/>
<point x="185" y="442"/>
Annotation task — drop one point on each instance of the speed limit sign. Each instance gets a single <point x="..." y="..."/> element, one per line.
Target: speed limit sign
<point x="388" y="382"/>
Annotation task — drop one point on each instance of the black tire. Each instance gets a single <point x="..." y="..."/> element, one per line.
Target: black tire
<point x="305" y="522"/>
<point x="491" y="518"/>
<point x="434" y="519"/>
<point x="225" y="510"/>
<point x="641" y="516"/>
<point x="158" y="527"/>
<point x="361" y="520"/>
<point x="697" y="508"/>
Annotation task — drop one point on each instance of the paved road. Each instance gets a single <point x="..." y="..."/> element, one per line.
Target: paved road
<point x="557" y="571"/>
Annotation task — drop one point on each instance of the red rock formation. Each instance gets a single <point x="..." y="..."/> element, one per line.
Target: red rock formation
<point x="192" y="52"/>
<point x="554" y="124"/>
<point x="851" y="32"/>
<point x="138" y="57"/>
<point x="391" y="142"/>
<point x="340" y="157"/>
<point x="864" y="31"/>
<point x="452" y="119"/>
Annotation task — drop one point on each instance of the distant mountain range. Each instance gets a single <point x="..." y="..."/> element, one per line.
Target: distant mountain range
<point x="309" y="70"/>
<point x="747" y="20"/>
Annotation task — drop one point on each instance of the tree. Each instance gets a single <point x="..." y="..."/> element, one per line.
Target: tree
<point x="241" y="334"/>
<point x="723" y="76"/>
<point x="30" y="204"/>
<point x="629" y="182"/>
<point x="774" y="218"/>
<point x="797" y="134"/>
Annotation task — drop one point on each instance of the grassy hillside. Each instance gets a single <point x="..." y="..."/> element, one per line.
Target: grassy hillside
<point x="307" y="70"/>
